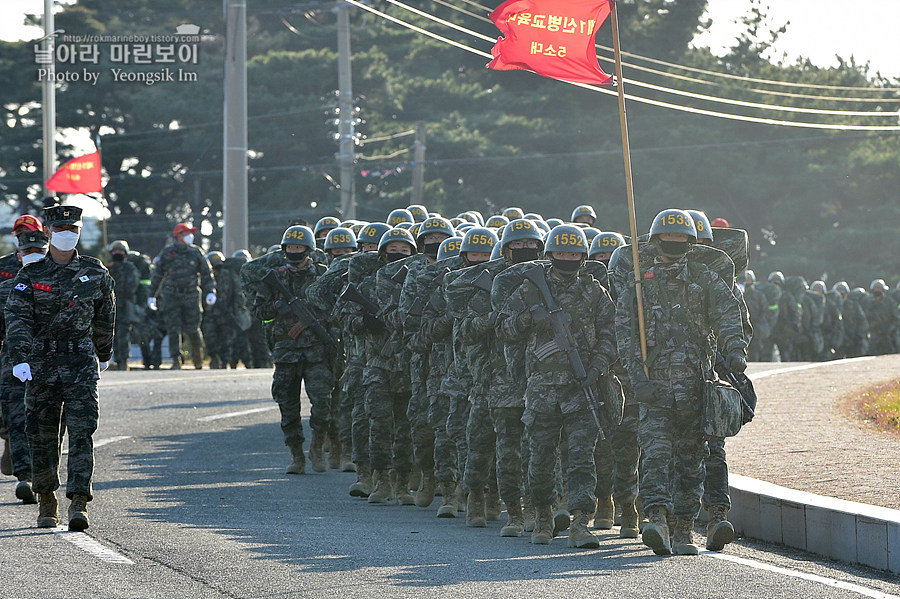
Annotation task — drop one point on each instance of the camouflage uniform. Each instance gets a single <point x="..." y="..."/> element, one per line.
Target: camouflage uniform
<point x="763" y="321"/>
<point x="832" y="326"/>
<point x="180" y="272"/>
<point x="772" y="294"/>
<point x="303" y="360"/>
<point x="148" y="331"/>
<point x="12" y="402"/>
<point x="688" y="308"/>
<point x="60" y="320"/>
<point x="882" y="314"/>
<point x="127" y="282"/>
<point x="554" y="401"/>
<point x="259" y="335"/>
<point x="221" y="321"/>
<point x="856" y="326"/>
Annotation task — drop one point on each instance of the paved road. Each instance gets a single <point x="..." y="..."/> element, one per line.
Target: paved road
<point x="191" y="501"/>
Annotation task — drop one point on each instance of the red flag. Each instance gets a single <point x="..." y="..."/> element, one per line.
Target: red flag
<point x="79" y="175"/>
<point x="553" y="38"/>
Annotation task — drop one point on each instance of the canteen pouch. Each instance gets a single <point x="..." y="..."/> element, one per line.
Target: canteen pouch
<point x="722" y="409"/>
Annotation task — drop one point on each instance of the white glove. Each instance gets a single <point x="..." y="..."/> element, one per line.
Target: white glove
<point x="22" y="371"/>
<point x="104" y="366"/>
<point x="151" y="303"/>
<point x="210" y="299"/>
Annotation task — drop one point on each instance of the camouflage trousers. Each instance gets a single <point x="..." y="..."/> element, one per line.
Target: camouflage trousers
<point x="457" y="421"/>
<point x="316" y="377"/>
<point x="511" y="444"/>
<point x="180" y="312"/>
<point x="545" y="432"/>
<point x="387" y="398"/>
<point x="715" y="486"/>
<point x="354" y="425"/>
<point x="417" y="412"/>
<point x="482" y="443"/>
<point x="446" y="462"/>
<point x="12" y="404"/>
<point x="51" y="409"/>
<point x="122" y="341"/>
<point x="617" y="458"/>
<point x="672" y="470"/>
<point x="221" y="336"/>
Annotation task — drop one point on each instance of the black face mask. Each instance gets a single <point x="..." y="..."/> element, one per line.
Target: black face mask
<point x="524" y="254"/>
<point x="296" y="257"/>
<point x="118" y="257"/>
<point x="394" y="256"/>
<point x="470" y="262"/>
<point x="673" y="249"/>
<point x="431" y="249"/>
<point x="566" y="268"/>
<point x="320" y="243"/>
<point x="878" y="294"/>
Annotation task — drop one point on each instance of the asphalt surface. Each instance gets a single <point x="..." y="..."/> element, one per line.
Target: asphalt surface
<point x="191" y="501"/>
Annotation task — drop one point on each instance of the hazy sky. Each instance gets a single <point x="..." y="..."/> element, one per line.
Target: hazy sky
<point x="867" y="29"/>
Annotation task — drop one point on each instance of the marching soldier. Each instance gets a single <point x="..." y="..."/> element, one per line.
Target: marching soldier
<point x="60" y="320"/>
<point x="127" y="280"/>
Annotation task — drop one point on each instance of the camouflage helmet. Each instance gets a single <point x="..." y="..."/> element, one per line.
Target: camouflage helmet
<point x="512" y="213"/>
<point x="215" y="258"/>
<point x="818" y="287"/>
<point x="566" y="238"/>
<point x="704" y="229"/>
<point x="299" y="235"/>
<point x="400" y="215"/>
<point x="449" y="248"/>
<point x="521" y="229"/>
<point x="326" y="223"/>
<point x="583" y="210"/>
<point x="776" y="277"/>
<point x="479" y="239"/>
<point x="119" y="244"/>
<point x="419" y="212"/>
<point x="673" y="220"/>
<point x="372" y="233"/>
<point x="340" y="237"/>
<point x="397" y="234"/>
<point x="878" y="285"/>
<point x="242" y="255"/>
<point x="357" y="227"/>
<point x="749" y="276"/>
<point x="434" y="224"/>
<point x="606" y="241"/>
<point x="496" y="221"/>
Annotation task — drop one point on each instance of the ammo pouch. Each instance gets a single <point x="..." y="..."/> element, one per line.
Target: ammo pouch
<point x="722" y="409"/>
<point x="613" y="398"/>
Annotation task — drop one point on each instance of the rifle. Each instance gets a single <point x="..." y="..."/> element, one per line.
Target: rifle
<point x="563" y="340"/>
<point x="352" y="294"/>
<point x="399" y="277"/>
<point x="742" y="383"/>
<point x="483" y="281"/>
<point x="299" y="309"/>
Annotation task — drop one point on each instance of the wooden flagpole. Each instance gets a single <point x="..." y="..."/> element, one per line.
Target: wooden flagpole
<point x="629" y="188"/>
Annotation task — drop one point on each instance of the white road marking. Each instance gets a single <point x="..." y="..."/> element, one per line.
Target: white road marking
<point x="831" y="582"/>
<point x="89" y="545"/>
<point x="234" y="414"/>
<point x="765" y="373"/>
<point x="102" y="442"/>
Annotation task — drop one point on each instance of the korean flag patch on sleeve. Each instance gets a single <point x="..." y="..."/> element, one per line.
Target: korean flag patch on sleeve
<point x="21" y="287"/>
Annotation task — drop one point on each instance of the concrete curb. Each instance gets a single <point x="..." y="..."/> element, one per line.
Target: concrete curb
<point x="845" y="530"/>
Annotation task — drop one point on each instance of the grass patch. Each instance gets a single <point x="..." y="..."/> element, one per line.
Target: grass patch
<point x="881" y="406"/>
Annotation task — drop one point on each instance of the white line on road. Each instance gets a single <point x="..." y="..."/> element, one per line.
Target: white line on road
<point x="765" y="373"/>
<point x="89" y="545"/>
<point x="102" y="442"/>
<point x="840" y="584"/>
<point x="233" y="414"/>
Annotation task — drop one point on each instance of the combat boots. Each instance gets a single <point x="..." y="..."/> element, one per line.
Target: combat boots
<point x="5" y="460"/>
<point x="447" y="509"/>
<point x="316" y="454"/>
<point x="401" y="489"/>
<point x="176" y="363"/>
<point x="528" y="513"/>
<point x="298" y="460"/>
<point x="475" y="508"/>
<point x="78" y="516"/>
<point x="215" y="363"/>
<point x="629" y="529"/>
<point x="683" y="539"/>
<point x="197" y="357"/>
<point x="492" y="507"/>
<point x="48" y="515"/>
<point x="604" y="515"/>
<point x="561" y="519"/>
<point x="334" y="452"/>
<point x="656" y="532"/>
<point x="382" y="492"/>
<point x="425" y="494"/>
<point x="515" y="521"/>
<point x="25" y="492"/>
<point x="719" y="531"/>
<point x="363" y="485"/>
<point x="579" y="535"/>
<point x="543" y="525"/>
<point x="347" y="464"/>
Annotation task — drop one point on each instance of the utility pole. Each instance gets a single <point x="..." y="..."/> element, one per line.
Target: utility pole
<point x="418" y="179"/>
<point x="345" y="118"/>
<point x="48" y="96"/>
<point x="234" y="183"/>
